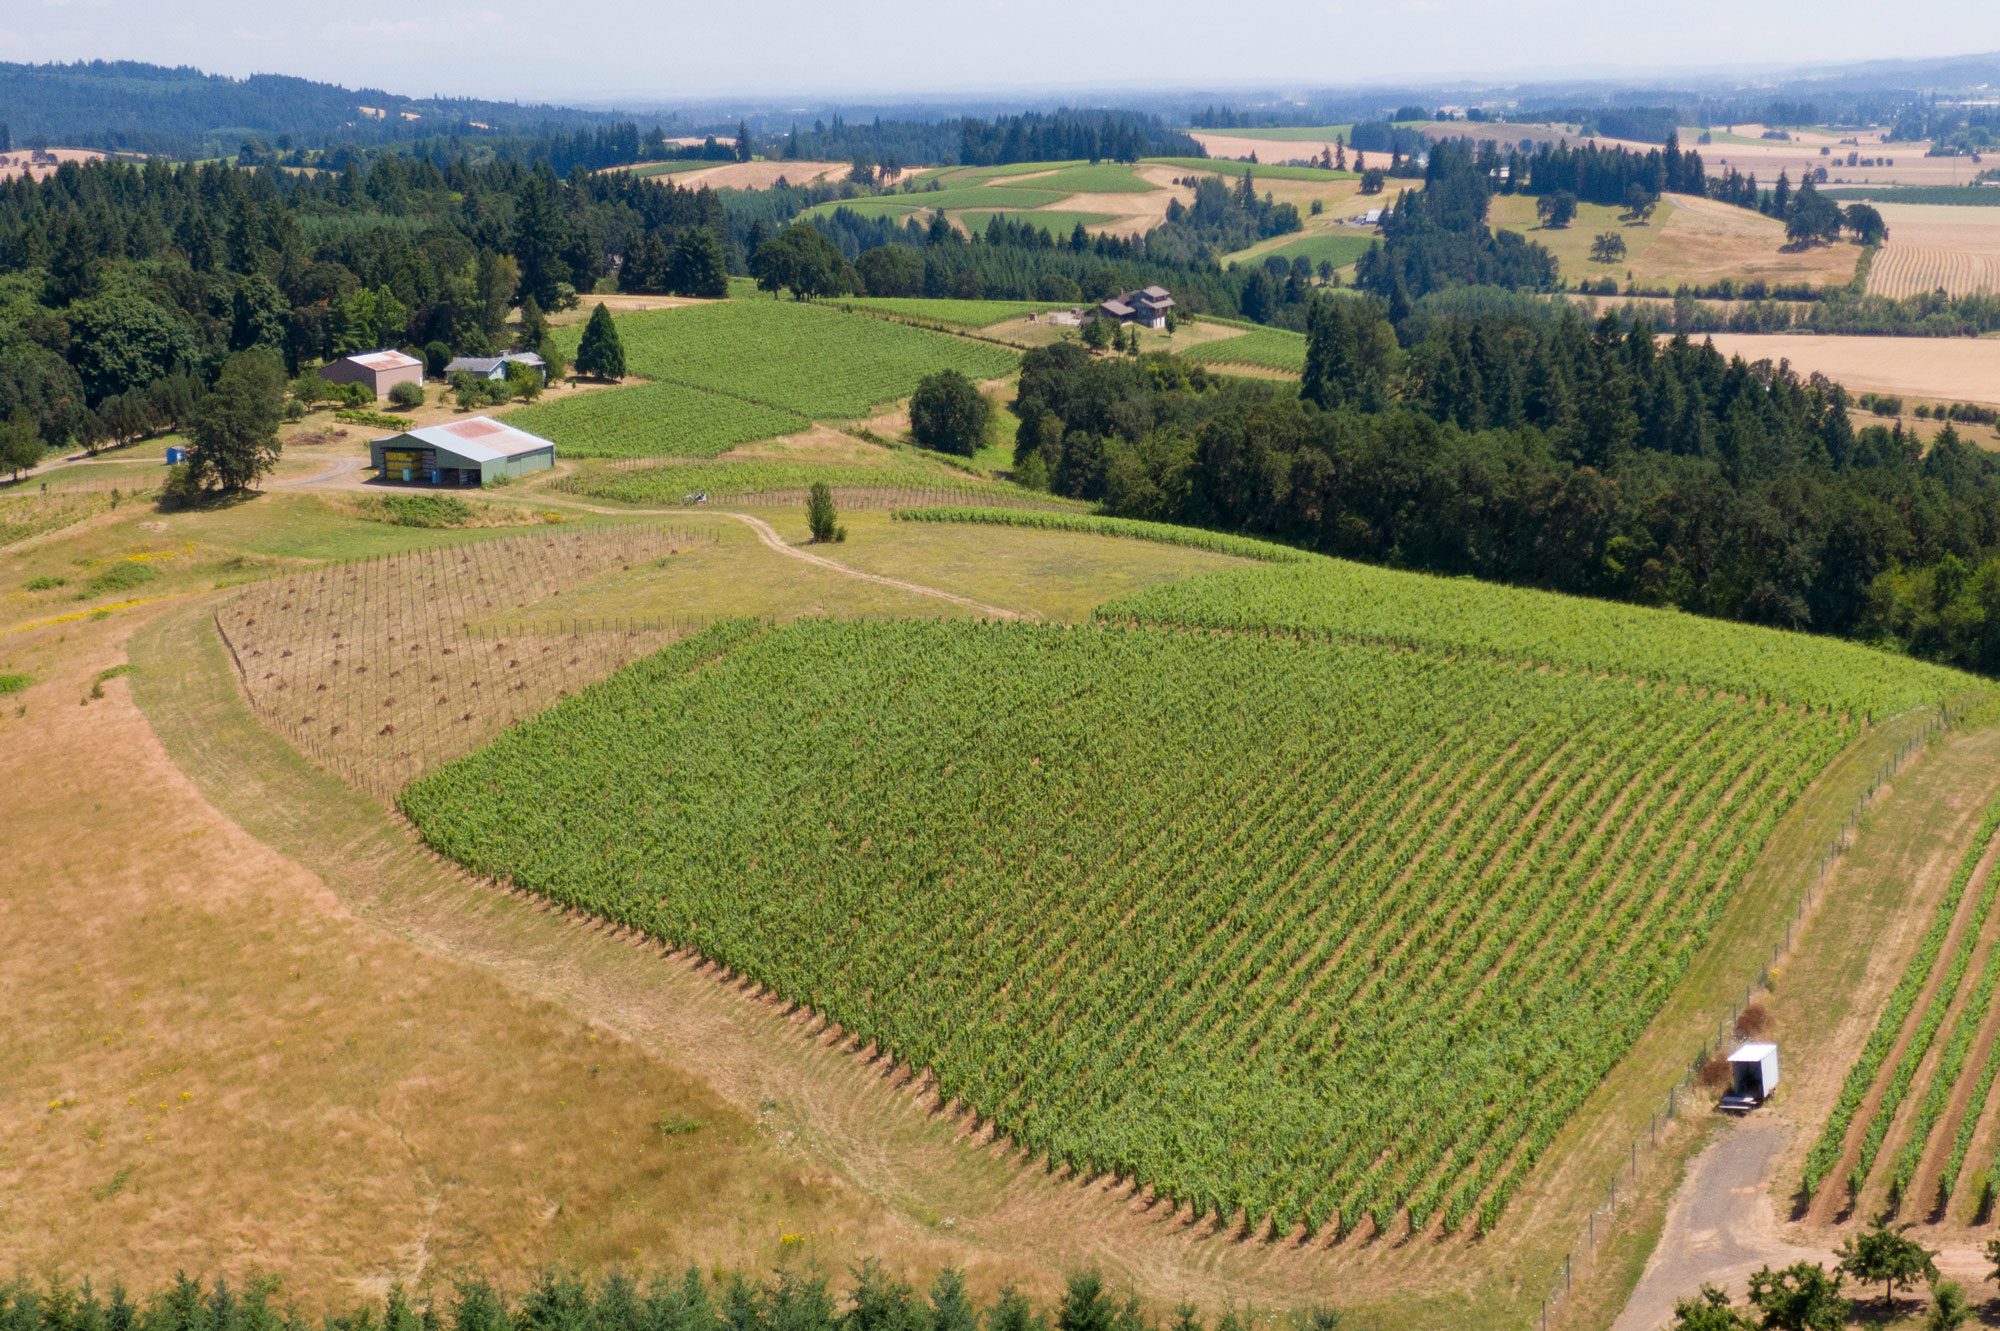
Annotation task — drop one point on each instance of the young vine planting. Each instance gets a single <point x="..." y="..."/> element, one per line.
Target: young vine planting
<point x="1962" y="914"/>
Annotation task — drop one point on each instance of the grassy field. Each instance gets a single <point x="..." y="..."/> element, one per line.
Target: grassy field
<point x="646" y="169"/>
<point x="1224" y="166"/>
<point x="1571" y="244"/>
<point x="1068" y="743"/>
<point x="1339" y="248"/>
<point x="1101" y="178"/>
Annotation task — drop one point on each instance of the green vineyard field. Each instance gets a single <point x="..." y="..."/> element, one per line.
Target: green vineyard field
<point x="1432" y="898"/>
<point x="1361" y="602"/>
<point x="653" y="420"/>
<point x="669" y="484"/>
<point x="1269" y="348"/>
<point x="794" y="356"/>
<point x="945" y="310"/>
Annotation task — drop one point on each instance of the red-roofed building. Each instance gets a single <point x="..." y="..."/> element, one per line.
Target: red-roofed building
<point x="379" y="370"/>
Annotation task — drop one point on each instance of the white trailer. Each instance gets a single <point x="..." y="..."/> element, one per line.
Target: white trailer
<point x="1753" y="1075"/>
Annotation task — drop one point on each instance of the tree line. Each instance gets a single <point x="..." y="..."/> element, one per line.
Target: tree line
<point x="792" y="1299"/>
<point x="114" y="278"/>
<point x="135" y="106"/>
<point x="1550" y="453"/>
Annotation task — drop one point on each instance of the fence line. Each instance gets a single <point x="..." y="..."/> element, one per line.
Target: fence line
<point x="1578" y="1259"/>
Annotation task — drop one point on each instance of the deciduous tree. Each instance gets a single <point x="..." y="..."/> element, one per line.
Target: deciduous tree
<point x="949" y="413"/>
<point x="1557" y="209"/>
<point x="1888" y="1256"/>
<point x="233" y="438"/>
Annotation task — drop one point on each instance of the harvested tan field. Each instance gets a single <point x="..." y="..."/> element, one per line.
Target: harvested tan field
<point x="1766" y="159"/>
<point x="1957" y="369"/>
<point x="1133" y="214"/>
<point x="758" y="175"/>
<point x="43" y="163"/>
<point x="1906" y="270"/>
<point x="1269" y="151"/>
<point x="1937" y="246"/>
<point x="1510" y="133"/>
<point x="1702" y="240"/>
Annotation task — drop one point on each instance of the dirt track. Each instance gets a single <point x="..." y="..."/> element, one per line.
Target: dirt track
<point x="1720" y="1228"/>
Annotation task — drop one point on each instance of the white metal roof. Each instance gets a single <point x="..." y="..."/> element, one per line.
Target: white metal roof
<point x="1753" y="1053"/>
<point x="383" y="360"/>
<point x="481" y="439"/>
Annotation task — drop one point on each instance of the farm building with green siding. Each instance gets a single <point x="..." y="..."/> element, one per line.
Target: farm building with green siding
<point x="475" y="451"/>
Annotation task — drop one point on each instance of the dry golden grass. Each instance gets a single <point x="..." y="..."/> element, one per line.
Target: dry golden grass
<point x="213" y="1066"/>
<point x="1702" y="240"/>
<point x="1954" y="369"/>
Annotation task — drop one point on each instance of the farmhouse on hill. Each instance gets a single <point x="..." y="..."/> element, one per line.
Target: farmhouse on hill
<point x="1146" y="307"/>
<point x="495" y="367"/>
<point x="475" y="451"/>
<point x="380" y="370"/>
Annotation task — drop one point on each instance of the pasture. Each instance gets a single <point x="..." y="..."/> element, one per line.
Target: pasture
<point x="1571" y="244"/>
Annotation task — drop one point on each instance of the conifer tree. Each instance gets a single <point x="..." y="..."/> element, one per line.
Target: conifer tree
<point x="600" y="353"/>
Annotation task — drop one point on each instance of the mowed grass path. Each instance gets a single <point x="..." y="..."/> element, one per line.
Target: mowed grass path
<point x="1427" y="906"/>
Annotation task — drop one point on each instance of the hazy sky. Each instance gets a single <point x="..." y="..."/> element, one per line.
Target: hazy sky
<point x="637" y="50"/>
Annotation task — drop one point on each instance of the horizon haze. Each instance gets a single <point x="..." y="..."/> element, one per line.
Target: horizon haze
<point x="637" y="56"/>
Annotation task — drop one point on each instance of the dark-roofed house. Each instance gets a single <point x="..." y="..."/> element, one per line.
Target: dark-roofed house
<point x="474" y="451"/>
<point x="495" y="367"/>
<point x="1146" y="307"/>
<point x="380" y="370"/>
